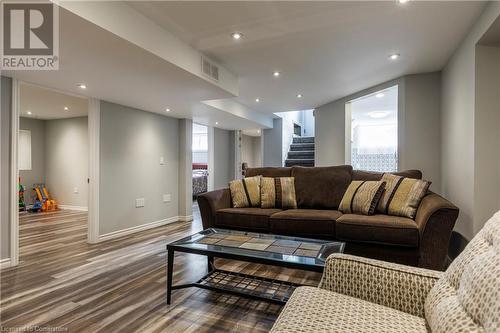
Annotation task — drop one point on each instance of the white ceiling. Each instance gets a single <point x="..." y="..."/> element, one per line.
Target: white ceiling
<point x="49" y="104"/>
<point x="362" y="108"/>
<point x="324" y="50"/>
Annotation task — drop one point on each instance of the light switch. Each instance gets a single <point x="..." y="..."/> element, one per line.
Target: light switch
<point x="140" y="202"/>
<point x="75" y="190"/>
<point x="167" y="198"/>
<point x="162" y="160"/>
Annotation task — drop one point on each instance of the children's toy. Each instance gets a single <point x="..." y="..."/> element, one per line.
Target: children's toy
<point x="44" y="199"/>
<point x="22" y="189"/>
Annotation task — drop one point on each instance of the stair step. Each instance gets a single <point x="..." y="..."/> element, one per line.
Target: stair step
<point x="301" y="154"/>
<point x="299" y="162"/>
<point x="301" y="146"/>
<point x="303" y="139"/>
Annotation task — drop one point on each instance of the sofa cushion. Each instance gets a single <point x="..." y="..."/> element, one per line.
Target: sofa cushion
<point x="278" y="192"/>
<point x="305" y="222"/>
<point x="321" y="187"/>
<point x="385" y="229"/>
<point x="317" y="310"/>
<point x="268" y="172"/>
<point x="255" y="219"/>
<point x="372" y="175"/>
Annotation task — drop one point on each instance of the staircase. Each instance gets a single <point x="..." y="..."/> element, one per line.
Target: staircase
<point x="301" y="152"/>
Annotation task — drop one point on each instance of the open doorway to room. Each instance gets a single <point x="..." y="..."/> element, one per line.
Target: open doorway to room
<point x="53" y="169"/>
<point x="251" y="149"/>
<point x="200" y="159"/>
<point x="372" y="131"/>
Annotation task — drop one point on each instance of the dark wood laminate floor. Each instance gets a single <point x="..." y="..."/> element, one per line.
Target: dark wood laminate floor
<point x="119" y="285"/>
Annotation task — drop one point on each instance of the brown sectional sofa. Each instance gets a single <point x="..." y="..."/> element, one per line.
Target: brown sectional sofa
<point x="420" y="242"/>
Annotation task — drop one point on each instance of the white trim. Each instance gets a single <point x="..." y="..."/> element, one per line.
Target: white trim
<point x="70" y="207"/>
<point x="5" y="263"/>
<point x="14" y="175"/>
<point x="142" y="227"/>
<point x="186" y="218"/>
<point x="94" y="120"/>
<point x="210" y="179"/>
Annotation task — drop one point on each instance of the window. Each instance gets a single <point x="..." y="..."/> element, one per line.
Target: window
<point x="374" y="131"/>
<point x="24" y="154"/>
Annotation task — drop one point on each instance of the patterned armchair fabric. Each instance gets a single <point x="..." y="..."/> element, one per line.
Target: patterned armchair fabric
<point x="396" y="286"/>
<point x="364" y="295"/>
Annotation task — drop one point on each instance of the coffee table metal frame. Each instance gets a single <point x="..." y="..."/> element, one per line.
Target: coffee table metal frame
<point x="215" y="274"/>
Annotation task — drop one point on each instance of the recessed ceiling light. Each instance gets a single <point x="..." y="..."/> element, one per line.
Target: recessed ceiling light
<point x="403" y="1"/>
<point x="66" y="108"/>
<point x="29" y="113"/>
<point x="216" y="123"/>
<point x="379" y="95"/>
<point x="258" y="131"/>
<point x="299" y="95"/>
<point x="236" y="35"/>
<point x="394" y="56"/>
<point x="82" y="85"/>
<point x="378" y="114"/>
<point x="276" y="73"/>
<point x="167" y="110"/>
<point x="257" y="100"/>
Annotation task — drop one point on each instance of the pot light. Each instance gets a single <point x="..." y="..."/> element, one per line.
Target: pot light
<point x="379" y="95"/>
<point x="236" y="35"/>
<point x="403" y="1"/>
<point x="257" y="100"/>
<point x="299" y="95"/>
<point x="276" y="73"/>
<point x="29" y="113"/>
<point x="66" y="108"/>
<point x="82" y="85"/>
<point x="167" y="110"/>
<point x="378" y="114"/>
<point x="216" y="123"/>
<point x="258" y="131"/>
<point x="394" y="56"/>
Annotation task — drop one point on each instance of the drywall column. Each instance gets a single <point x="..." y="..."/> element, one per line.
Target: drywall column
<point x="5" y="122"/>
<point x="223" y="158"/>
<point x="272" y="144"/>
<point x="185" y="168"/>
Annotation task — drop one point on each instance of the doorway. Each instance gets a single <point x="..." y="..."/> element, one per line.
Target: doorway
<point x="200" y="159"/>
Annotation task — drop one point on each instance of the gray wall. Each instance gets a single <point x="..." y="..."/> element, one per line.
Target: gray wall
<point x="6" y="96"/>
<point x="250" y="150"/>
<point x="131" y="144"/>
<point x="487" y="135"/>
<point x="37" y="172"/>
<point x="272" y="144"/>
<point x="418" y="122"/>
<point x="457" y="131"/>
<point x="185" y="166"/>
<point x="67" y="160"/>
<point x="223" y="158"/>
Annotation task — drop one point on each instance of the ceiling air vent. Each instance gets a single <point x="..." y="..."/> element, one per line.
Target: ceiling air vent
<point x="209" y="69"/>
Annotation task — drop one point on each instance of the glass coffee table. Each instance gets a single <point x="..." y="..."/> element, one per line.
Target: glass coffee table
<point x="284" y="251"/>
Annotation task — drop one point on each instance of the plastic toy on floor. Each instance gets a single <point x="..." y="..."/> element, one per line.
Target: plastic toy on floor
<point x="44" y="199"/>
<point x="22" y="204"/>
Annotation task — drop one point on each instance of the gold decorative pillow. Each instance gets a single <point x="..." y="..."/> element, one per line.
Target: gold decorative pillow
<point x="361" y="197"/>
<point x="402" y="195"/>
<point x="278" y="192"/>
<point x="245" y="192"/>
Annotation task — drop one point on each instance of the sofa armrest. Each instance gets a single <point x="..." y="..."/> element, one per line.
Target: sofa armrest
<point x="210" y="202"/>
<point x="396" y="286"/>
<point x="435" y="219"/>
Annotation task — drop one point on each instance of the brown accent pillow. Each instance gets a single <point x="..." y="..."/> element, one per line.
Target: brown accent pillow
<point x="362" y="197"/>
<point x="245" y="192"/>
<point x="278" y="192"/>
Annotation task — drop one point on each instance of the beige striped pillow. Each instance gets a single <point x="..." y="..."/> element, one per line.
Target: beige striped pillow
<point x="362" y="197"/>
<point x="278" y="192"/>
<point x="402" y="195"/>
<point x="245" y="192"/>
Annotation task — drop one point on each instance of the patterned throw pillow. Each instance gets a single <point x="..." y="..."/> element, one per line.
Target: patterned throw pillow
<point x="362" y="197"/>
<point x="402" y="195"/>
<point x="245" y="192"/>
<point x="278" y="192"/>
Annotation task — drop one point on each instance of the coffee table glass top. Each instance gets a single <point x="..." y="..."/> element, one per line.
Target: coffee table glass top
<point x="303" y="251"/>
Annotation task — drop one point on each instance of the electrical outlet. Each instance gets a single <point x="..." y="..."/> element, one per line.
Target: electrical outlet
<point x="75" y="190"/>
<point x="167" y="198"/>
<point x="162" y="160"/>
<point x="140" y="202"/>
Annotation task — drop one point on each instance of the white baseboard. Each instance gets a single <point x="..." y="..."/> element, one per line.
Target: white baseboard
<point x="79" y="208"/>
<point x="186" y="218"/>
<point x="142" y="227"/>
<point x="4" y="263"/>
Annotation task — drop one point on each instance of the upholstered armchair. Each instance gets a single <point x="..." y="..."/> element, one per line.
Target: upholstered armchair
<point x="365" y="295"/>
